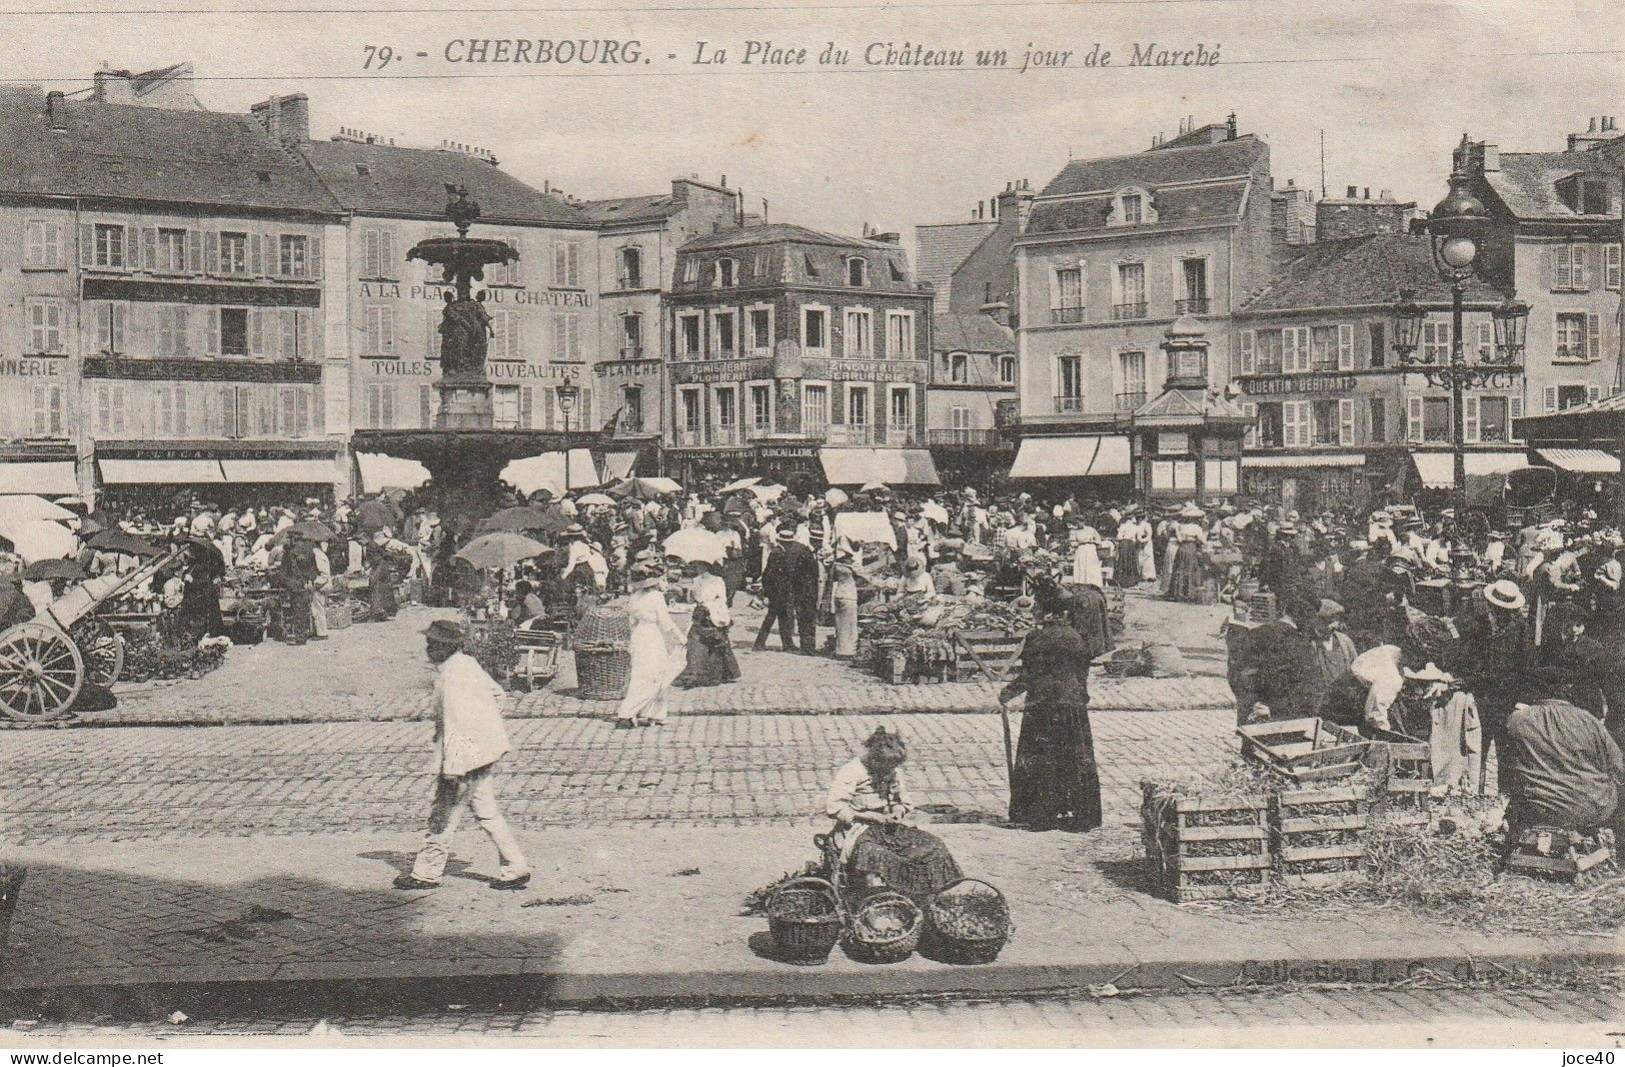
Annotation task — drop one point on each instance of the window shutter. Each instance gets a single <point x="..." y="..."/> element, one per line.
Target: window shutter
<point x="1549" y="398"/>
<point x="386" y="324"/>
<point x="549" y="402"/>
<point x="211" y="252"/>
<point x="1247" y="341"/>
<point x="1289" y="350"/>
<point x="499" y="335"/>
<point x="1611" y="267"/>
<point x="149" y="248"/>
<point x="575" y="262"/>
<point x="527" y="408"/>
<point x="1514" y="412"/>
<point x="1345" y="422"/>
<point x="212" y="319"/>
<point x="386" y="256"/>
<point x="434" y="331"/>
<point x="117" y="313"/>
<point x="313" y="263"/>
<point x="559" y="261"/>
<point x="515" y="276"/>
<point x="516" y="348"/>
<point x="574" y="322"/>
<point x="1558" y="257"/>
<point x="1470" y="420"/>
<point x="1251" y="440"/>
<point x="256" y="331"/>
<point x="1304" y="349"/>
<point x="194" y="251"/>
<point x="304" y="335"/>
<point x="837" y="404"/>
<point x="1593" y="336"/>
<point x="228" y="410"/>
<point x="180" y="411"/>
<point x="1289" y="424"/>
<point x="559" y="347"/>
<point x="87" y="244"/>
<point x="1593" y="393"/>
<point x="1413" y="419"/>
<point x="584" y="416"/>
<point x="1577" y="257"/>
<point x="1345" y="347"/>
<point x="256" y="254"/>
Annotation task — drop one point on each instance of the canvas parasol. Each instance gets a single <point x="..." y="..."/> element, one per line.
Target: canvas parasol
<point x="501" y="549"/>
<point x="695" y="546"/>
<point x="768" y="493"/>
<point x="37" y="539"/>
<point x="645" y="488"/>
<point x="124" y="544"/>
<point x="874" y="487"/>
<point x="514" y="520"/>
<point x="935" y="512"/>
<point x="24" y="508"/>
<point x="835" y="497"/>
<point x="375" y="514"/>
<point x="595" y="498"/>
<point x="313" y="530"/>
<point x="743" y="483"/>
<point x="47" y="570"/>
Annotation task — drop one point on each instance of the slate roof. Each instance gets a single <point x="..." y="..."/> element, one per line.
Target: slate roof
<point x="1215" y="203"/>
<point x="1527" y="182"/>
<point x="121" y="151"/>
<point x="970" y="333"/>
<point x="411" y="183"/>
<point x="1158" y="167"/>
<point x="630" y="209"/>
<point x="1359" y="271"/>
<point x="1190" y="404"/>
<point x="945" y="246"/>
<point x="777" y="233"/>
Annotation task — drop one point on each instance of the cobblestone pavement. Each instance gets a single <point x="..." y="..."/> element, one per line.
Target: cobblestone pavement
<point x="376" y="673"/>
<point x="1438" y="1017"/>
<point x="336" y="777"/>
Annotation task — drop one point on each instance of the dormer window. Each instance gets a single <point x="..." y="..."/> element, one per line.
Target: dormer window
<point x="896" y="270"/>
<point x="691" y="270"/>
<point x="812" y="267"/>
<point x="857" y="272"/>
<point x="727" y="273"/>
<point x="1132" y="207"/>
<point x="1585" y="194"/>
<point x="1594" y="198"/>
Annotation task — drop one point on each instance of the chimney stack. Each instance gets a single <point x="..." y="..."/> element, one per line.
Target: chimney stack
<point x="55" y="110"/>
<point x="112" y="86"/>
<point x="1230" y="127"/>
<point x="1354" y="192"/>
<point x="286" y="119"/>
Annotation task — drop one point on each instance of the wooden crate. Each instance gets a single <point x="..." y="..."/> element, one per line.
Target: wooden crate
<point x="1300" y="819"/>
<point x="1558" y="855"/>
<point x="1304" y="751"/>
<point x="1254" y="607"/>
<point x="999" y="652"/>
<point x="1404" y="767"/>
<point x="1203" y="848"/>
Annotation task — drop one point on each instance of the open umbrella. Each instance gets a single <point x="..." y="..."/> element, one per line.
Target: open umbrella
<point x="835" y="497"/>
<point x="768" y="493"/>
<point x="314" y="530"/>
<point x="37" y="539"/>
<point x="47" y="570"/>
<point x="375" y="514"/>
<point x="873" y="487"/>
<point x="695" y="546"/>
<point x="743" y="483"/>
<point x="645" y="488"/>
<point x="595" y="498"/>
<point x="24" y="508"/>
<point x="515" y="520"/>
<point x="122" y="543"/>
<point x="500" y="549"/>
<point x="934" y="511"/>
<point x="87" y="526"/>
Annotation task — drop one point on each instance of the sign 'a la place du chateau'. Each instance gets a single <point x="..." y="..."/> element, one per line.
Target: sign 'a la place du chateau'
<point x="562" y="298"/>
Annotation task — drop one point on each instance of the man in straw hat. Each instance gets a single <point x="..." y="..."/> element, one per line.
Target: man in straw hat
<point x="469" y="740"/>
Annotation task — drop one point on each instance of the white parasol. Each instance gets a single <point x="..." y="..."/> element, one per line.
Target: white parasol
<point x="696" y="546"/>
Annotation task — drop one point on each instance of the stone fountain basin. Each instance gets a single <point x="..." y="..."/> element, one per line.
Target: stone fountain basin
<point x="470" y="251"/>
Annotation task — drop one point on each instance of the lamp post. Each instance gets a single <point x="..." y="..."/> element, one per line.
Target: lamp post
<point x="1455" y="229"/>
<point x="568" y="395"/>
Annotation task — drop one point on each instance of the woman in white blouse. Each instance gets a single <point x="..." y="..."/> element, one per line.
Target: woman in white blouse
<point x="710" y="651"/>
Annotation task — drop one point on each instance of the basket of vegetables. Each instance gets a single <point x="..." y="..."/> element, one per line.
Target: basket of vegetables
<point x="885" y="928"/>
<point x="968" y="922"/>
<point x="804" y="917"/>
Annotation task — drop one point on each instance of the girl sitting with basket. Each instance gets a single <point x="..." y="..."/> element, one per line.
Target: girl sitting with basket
<point x="870" y="846"/>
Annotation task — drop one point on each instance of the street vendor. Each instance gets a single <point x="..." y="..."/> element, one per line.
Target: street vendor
<point x="870" y="804"/>
<point x="1567" y="772"/>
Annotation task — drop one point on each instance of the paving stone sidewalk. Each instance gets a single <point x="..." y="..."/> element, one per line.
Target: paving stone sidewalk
<point x="640" y="913"/>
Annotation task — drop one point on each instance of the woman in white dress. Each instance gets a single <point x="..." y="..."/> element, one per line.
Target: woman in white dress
<point x="1086" y="568"/>
<point x="654" y="636"/>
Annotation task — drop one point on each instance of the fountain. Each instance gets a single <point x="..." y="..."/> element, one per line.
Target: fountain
<point x="464" y="450"/>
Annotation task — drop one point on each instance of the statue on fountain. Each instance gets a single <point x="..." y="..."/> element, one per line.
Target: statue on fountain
<point x="465" y="333"/>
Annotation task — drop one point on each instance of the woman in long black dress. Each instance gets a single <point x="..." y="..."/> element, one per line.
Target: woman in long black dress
<point x="1056" y="784"/>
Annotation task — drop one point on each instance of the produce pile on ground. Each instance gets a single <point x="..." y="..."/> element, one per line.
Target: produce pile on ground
<point x="147" y="656"/>
<point x="922" y="628"/>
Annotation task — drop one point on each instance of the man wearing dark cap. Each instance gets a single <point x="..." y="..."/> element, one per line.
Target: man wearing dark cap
<point x="469" y="740"/>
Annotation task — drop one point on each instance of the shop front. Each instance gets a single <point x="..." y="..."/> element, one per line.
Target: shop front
<point x="139" y="475"/>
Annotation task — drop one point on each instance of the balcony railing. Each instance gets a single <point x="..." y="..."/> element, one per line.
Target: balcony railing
<point x="1571" y="354"/>
<point x="1129" y="402"/>
<point x="1064" y="315"/>
<point x="964" y="438"/>
<point x="758" y="430"/>
<point x="1068" y="405"/>
<point x="725" y="435"/>
<point x="900" y="433"/>
<point x="632" y="352"/>
<point x="1128" y="311"/>
<point x="688" y="438"/>
<point x="631" y="282"/>
<point x="1195" y="305"/>
<point x="860" y="433"/>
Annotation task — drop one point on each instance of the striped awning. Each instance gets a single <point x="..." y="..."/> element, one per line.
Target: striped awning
<point x="1580" y="460"/>
<point x="1072" y="457"/>
<point x="1337" y="459"/>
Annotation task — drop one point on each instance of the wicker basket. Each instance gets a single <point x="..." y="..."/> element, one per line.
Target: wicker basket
<point x="338" y="615"/>
<point x="602" y="673"/>
<point x="602" y="625"/>
<point x="953" y="935"/>
<point x="804" y="918"/>
<point x="885" y="928"/>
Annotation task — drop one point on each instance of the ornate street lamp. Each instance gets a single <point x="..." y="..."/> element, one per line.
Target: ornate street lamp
<point x="568" y="395"/>
<point x="1456" y="230"/>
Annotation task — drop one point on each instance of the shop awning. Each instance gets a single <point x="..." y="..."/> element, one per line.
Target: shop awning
<point x="279" y="471"/>
<point x="379" y="472"/>
<point x="1580" y="460"/>
<point x="1265" y="462"/>
<point x="1072" y="457"/>
<point x="888" y="466"/>
<point x="618" y="465"/>
<point x="546" y="471"/>
<point x="44" y="478"/>
<point x="1437" y="468"/>
<point x="161" y="471"/>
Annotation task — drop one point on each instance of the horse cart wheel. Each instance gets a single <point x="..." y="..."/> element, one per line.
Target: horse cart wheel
<point x="41" y="672"/>
<point x="102" y="648"/>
